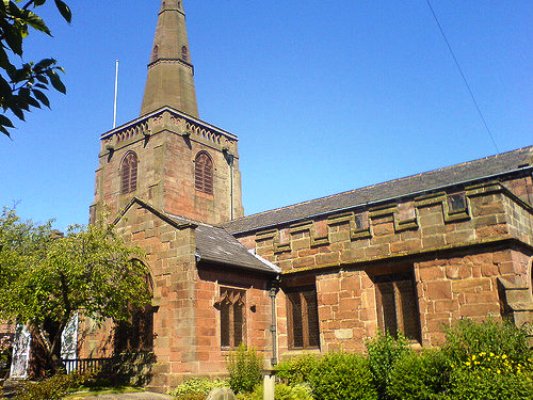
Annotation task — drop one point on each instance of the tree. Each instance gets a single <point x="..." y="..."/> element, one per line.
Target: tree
<point x="22" y="84"/>
<point x="46" y="278"/>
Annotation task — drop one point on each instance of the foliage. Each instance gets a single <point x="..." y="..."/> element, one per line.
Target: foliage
<point x="196" y="388"/>
<point x="245" y="369"/>
<point x="466" y="338"/>
<point x="383" y="351"/>
<point x="22" y="84"/>
<point x="481" y="382"/>
<point x="45" y="279"/>
<point x="423" y="376"/>
<point x="54" y="388"/>
<point x="282" y="392"/>
<point x="342" y="376"/>
<point x="297" y="369"/>
<point x="6" y="348"/>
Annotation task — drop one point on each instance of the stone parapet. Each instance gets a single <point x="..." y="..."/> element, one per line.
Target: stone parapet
<point x="487" y="214"/>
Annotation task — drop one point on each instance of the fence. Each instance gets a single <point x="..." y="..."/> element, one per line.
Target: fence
<point x="83" y="365"/>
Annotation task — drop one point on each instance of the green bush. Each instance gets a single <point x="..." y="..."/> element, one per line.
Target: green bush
<point x="54" y="388"/>
<point x="467" y="338"/>
<point x="342" y="376"/>
<point x="196" y="388"/>
<point x="383" y="351"/>
<point x="245" y="369"/>
<point x="282" y="392"/>
<point x="485" y="384"/>
<point x="423" y="376"/>
<point x="296" y="370"/>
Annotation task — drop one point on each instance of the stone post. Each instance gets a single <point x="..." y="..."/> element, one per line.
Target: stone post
<point x="269" y="384"/>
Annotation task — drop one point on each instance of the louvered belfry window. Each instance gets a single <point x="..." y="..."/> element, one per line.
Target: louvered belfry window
<point x="232" y="322"/>
<point x="397" y="305"/>
<point x="203" y="173"/>
<point x="128" y="173"/>
<point x="302" y="313"/>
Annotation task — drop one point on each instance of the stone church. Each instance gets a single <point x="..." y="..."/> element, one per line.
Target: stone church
<point x="410" y="255"/>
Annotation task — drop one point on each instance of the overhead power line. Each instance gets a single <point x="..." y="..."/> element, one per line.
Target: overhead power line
<point x="463" y="76"/>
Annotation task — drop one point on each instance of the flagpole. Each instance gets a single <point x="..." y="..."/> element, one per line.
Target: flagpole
<point x="116" y="95"/>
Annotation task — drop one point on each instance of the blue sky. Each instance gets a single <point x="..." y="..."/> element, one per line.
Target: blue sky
<point x="325" y="95"/>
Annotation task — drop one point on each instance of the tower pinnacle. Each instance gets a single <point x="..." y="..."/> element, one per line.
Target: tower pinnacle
<point x="170" y="80"/>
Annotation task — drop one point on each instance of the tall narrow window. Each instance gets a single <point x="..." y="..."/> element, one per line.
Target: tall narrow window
<point x="137" y="334"/>
<point x="302" y="312"/>
<point x="203" y="173"/>
<point x="231" y="305"/>
<point x="128" y="173"/>
<point x="397" y="305"/>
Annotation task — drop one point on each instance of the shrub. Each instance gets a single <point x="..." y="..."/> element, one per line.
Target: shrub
<point x="296" y="370"/>
<point x="342" y="376"/>
<point x="467" y="338"/>
<point x="196" y="388"/>
<point x="484" y="384"/>
<point x="423" y="376"/>
<point x="54" y="388"/>
<point x="245" y="369"/>
<point x="282" y="392"/>
<point x="383" y="351"/>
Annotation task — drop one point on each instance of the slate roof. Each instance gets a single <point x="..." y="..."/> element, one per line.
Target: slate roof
<point x="438" y="179"/>
<point x="217" y="245"/>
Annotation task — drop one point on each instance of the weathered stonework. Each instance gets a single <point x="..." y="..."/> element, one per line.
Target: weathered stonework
<point x="166" y="143"/>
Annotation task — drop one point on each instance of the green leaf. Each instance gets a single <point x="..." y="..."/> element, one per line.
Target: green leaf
<point x="5" y="131"/>
<point x="64" y="9"/>
<point x="37" y="22"/>
<point x="13" y="37"/>
<point x="5" y="121"/>
<point x="41" y="97"/>
<point x="44" y="63"/>
<point x="17" y="110"/>
<point x="55" y="80"/>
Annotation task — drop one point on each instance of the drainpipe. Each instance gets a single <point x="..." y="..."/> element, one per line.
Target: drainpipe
<point x="273" y="328"/>
<point x="230" y="158"/>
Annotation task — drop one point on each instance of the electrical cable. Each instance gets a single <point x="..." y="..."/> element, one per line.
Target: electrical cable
<point x="463" y="75"/>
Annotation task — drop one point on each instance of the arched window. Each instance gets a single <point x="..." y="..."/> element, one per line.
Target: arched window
<point x="185" y="53"/>
<point x="203" y="173"/>
<point x="128" y="173"/>
<point x="137" y="333"/>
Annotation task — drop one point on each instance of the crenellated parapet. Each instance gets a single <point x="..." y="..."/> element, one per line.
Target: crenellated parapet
<point x="478" y="214"/>
<point x="170" y="121"/>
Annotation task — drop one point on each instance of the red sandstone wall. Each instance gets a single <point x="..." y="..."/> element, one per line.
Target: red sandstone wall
<point x="166" y="170"/>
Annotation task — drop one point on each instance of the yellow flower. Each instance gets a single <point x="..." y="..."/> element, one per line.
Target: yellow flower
<point x="467" y="363"/>
<point x="504" y="356"/>
<point x="498" y="371"/>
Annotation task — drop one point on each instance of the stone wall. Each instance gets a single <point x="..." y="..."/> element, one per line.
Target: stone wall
<point x="166" y="145"/>
<point x="458" y="258"/>
<point x="421" y="225"/>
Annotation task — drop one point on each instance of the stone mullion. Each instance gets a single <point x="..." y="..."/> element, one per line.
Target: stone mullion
<point x="305" y="320"/>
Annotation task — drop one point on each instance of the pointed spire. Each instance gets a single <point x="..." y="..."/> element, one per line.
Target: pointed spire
<point x="170" y="79"/>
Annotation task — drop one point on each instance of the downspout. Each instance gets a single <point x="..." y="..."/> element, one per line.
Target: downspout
<point x="230" y="158"/>
<point x="274" y="288"/>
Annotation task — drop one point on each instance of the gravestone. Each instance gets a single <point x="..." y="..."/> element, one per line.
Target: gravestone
<point x="21" y="353"/>
<point x="221" y="394"/>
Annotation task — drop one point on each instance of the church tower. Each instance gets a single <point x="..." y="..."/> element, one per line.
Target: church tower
<point x="168" y="157"/>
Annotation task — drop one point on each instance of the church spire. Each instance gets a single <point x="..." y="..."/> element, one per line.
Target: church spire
<point x="170" y="79"/>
